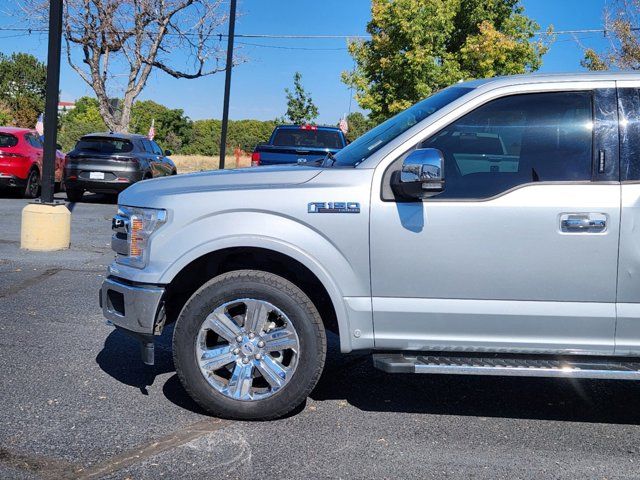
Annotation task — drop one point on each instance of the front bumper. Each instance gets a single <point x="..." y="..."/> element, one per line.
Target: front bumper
<point x="132" y="307"/>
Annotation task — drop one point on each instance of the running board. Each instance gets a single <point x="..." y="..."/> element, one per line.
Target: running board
<point x="518" y="366"/>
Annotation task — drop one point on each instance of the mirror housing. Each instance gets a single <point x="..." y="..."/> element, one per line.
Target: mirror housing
<point x="167" y="153"/>
<point x="421" y="175"/>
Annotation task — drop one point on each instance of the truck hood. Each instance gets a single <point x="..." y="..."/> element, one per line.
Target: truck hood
<point x="143" y="193"/>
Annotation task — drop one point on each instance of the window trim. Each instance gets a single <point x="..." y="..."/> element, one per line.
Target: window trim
<point x="383" y="174"/>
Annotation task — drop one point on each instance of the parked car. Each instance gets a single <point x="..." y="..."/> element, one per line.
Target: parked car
<point x="110" y="162"/>
<point x="490" y="229"/>
<point x="298" y="144"/>
<point x="21" y="151"/>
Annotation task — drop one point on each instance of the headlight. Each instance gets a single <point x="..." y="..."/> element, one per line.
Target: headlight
<point x="135" y="225"/>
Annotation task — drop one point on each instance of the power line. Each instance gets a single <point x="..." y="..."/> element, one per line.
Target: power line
<point x="320" y="37"/>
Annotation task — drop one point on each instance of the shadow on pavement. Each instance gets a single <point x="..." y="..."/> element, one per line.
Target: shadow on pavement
<point x="354" y="379"/>
<point x="120" y="359"/>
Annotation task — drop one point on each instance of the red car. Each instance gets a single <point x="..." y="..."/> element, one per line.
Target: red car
<point x="21" y="161"/>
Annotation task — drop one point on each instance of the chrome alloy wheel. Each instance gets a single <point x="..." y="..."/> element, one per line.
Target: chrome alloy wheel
<point x="247" y="349"/>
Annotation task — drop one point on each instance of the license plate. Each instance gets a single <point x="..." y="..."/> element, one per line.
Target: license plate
<point x="96" y="175"/>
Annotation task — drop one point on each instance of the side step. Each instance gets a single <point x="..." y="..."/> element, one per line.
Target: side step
<point x="510" y="365"/>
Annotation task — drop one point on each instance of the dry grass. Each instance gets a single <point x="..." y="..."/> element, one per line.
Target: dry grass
<point x="197" y="163"/>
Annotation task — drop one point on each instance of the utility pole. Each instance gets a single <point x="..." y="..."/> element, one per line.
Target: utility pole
<point x="46" y="225"/>
<point x="51" y="102"/>
<point x="227" y="84"/>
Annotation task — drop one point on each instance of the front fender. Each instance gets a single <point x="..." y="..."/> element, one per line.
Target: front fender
<point x="344" y="277"/>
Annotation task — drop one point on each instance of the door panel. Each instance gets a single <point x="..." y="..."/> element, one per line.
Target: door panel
<point x="519" y="252"/>
<point x="510" y="249"/>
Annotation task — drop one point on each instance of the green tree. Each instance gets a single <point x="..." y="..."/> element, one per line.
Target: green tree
<point x="300" y="107"/>
<point x="418" y="47"/>
<point x="83" y="119"/>
<point x="621" y="20"/>
<point x="22" y="88"/>
<point x="358" y="125"/>
<point x="173" y="128"/>
<point x="246" y="134"/>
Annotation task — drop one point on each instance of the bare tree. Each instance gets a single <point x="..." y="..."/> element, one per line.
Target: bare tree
<point x="114" y="45"/>
<point x="621" y="23"/>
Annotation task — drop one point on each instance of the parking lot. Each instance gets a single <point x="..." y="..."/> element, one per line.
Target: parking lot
<point x="76" y="402"/>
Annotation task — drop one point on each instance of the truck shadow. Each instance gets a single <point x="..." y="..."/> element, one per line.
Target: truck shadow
<point x="352" y="378"/>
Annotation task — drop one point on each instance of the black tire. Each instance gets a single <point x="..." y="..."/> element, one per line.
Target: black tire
<point x="74" y="194"/>
<point x="262" y="286"/>
<point x="32" y="188"/>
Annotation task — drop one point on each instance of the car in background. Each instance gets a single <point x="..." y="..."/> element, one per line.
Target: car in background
<point x="300" y="144"/>
<point x="110" y="162"/>
<point x="21" y="152"/>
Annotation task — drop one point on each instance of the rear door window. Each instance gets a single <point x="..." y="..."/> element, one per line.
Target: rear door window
<point x="292" y="137"/>
<point x="104" y="145"/>
<point x="7" y="140"/>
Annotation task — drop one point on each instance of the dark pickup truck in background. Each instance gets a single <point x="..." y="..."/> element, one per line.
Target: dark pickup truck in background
<point x="298" y="144"/>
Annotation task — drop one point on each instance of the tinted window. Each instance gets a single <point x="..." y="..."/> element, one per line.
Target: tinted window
<point x="629" y="105"/>
<point x="299" y="137"/>
<point x="33" y="140"/>
<point x="7" y="140"/>
<point x="515" y="140"/>
<point x="376" y="138"/>
<point x="104" y="145"/>
<point x="156" y="148"/>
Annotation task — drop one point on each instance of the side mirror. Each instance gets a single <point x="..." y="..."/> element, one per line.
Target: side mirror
<point x="167" y="153"/>
<point x="421" y="176"/>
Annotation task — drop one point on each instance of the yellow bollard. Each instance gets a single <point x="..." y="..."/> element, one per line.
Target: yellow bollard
<point x="45" y="227"/>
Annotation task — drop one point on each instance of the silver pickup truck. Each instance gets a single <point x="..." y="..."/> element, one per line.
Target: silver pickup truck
<point x="492" y="228"/>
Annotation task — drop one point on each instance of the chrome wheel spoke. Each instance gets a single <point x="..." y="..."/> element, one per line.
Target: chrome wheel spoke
<point x="273" y="371"/>
<point x="256" y="316"/>
<point x="216" y="358"/>
<point x="239" y="386"/>
<point x="223" y="325"/>
<point x="244" y="351"/>
<point x="280" y="339"/>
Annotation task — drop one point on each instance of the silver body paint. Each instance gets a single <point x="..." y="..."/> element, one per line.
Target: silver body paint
<point x="495" y="275"/>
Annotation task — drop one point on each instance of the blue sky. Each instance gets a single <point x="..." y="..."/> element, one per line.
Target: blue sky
<point x="258" y="84"/>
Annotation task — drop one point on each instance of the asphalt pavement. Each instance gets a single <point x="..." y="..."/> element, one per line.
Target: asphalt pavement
<point x="76" y="402"/>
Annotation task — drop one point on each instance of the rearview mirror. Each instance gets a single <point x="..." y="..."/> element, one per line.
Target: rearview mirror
<point x="421" y="175"/>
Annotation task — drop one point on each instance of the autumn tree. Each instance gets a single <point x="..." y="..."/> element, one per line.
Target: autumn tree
<point x="420" y="46"/>
<point x="115" y="45"/>
<point x="300" y="106"/>
<point x="620" y="22"/>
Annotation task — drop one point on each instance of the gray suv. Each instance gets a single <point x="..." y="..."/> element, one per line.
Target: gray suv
<point x="110" y="162"/>
<point x="490" y="229"/>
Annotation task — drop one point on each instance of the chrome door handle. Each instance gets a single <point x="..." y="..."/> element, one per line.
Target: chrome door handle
<point x="591" y="223"/>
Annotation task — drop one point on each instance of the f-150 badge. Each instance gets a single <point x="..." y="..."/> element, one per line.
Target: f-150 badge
<point x="333" y="207"/>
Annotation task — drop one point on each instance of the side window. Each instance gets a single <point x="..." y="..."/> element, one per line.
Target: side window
<point x="146" y="144"/>
<point x="629" y="108"/>
<point x="156" y="148"/>
<point x="33" y="140"/>
<point x="514" y="140"/>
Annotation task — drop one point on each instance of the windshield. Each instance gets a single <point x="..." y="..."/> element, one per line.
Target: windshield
<point x="104" y="145"/>
<point x="378" y="137"/>
<point x="313" y="138"/>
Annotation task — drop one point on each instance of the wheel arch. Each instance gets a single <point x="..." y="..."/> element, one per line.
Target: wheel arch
<point x="303" y="272"/>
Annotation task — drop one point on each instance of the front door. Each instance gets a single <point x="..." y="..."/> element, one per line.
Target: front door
<point x="519" y="252"/>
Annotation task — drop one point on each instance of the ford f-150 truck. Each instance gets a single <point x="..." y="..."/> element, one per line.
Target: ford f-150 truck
<point x="490" y="229"/>
<point x="298" y="144"/>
